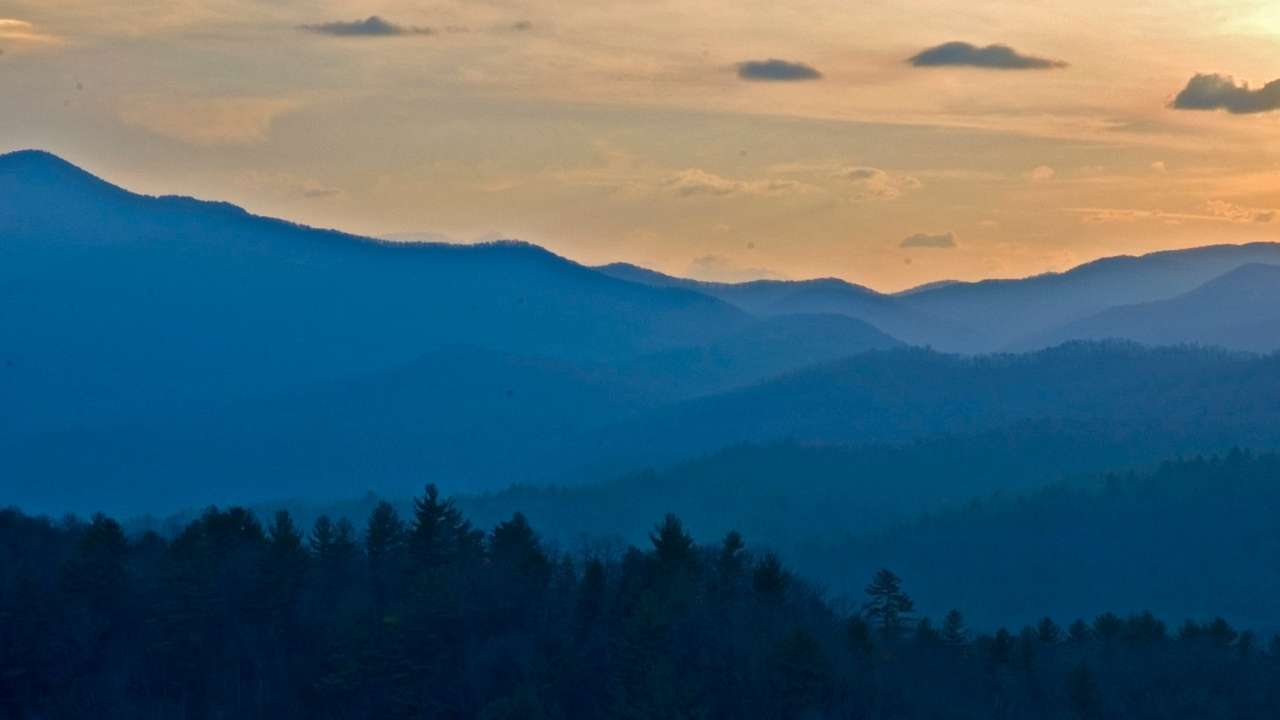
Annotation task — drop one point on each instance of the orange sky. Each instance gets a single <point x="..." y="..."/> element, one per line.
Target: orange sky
<point x="627" y="131"/>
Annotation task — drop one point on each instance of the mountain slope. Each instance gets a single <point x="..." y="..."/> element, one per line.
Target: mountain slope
<point x="825" y="296"/>
<point x="467" y="417"/>
<point x="1175" y="398"/>
<point x="1239" y="310"/>
<point x="565" y="423"/>
<point x="1004" y="311"/>
<point x="120" y="306"/>
<point x="768" y="347"/>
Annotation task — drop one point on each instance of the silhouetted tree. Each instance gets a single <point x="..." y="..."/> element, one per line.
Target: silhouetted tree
<point x="954" y="632"/>
<point x="888" y="606"/>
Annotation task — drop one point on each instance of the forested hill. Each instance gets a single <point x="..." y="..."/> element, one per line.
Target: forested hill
<point x="428" y="616"/>
<point x="1175" y="399"/>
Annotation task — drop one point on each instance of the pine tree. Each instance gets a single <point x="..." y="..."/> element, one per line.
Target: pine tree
<point x="954" y="632"/>
<point x="1083" y="694"/>
<point x="769" y="579"/>
<point x="672" y="546"/>
<point x="322" y="538"/>
<point x="889" y="607"/>
<point x="729" y="561"/>
<point x="440" y="535"/>
<point x="384" y="544"/>
<point x="1048" y="632"/>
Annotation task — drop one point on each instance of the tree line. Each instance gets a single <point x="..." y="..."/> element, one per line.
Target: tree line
<point x="428" y="616"/>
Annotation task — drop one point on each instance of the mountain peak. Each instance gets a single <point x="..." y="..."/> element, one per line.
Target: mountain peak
<point x="26" y="160"/>
<point x="42" y="169"/>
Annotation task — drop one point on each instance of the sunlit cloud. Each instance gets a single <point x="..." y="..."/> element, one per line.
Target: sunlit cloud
<point x="1237" y="213"/>
<point x="938" y="241"/>
<point x="20" y="31"/>
<point x="694" y="182"/>
<point x="871" y="183"/>
<point x="718" y="268"/>
<point x="1213" y="211"/>
<point x="1042" y="173"/>
<point x="206" y="121"/>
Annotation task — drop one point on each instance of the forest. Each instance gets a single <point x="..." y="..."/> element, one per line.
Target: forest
<point x="425" y="615"/>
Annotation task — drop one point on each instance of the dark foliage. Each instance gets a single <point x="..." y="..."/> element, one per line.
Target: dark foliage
<point x="431" y="618"/>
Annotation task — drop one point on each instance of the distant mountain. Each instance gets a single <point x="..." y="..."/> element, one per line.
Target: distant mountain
<point x="991" y="315"/>
<point x="120" y="307"/>
<point x="828" y="296"/>
<point x="1193" y="539"/>
<point x="763" y="349"/>
<point x="1004" y="312"/>
<point x="1171" y="399"/>
<point x="476" y="420"/>
<point x="927" y="286"/>
<point x="1239" y="310"/>
<point x="464" y="416"/>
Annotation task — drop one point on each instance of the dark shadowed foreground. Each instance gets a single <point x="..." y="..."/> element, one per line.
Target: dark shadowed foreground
<point x="432" y="618"/>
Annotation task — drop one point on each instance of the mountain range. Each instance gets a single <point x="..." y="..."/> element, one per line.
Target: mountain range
<point x="157" y="352"/>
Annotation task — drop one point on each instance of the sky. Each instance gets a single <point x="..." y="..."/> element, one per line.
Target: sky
<point x="887" y="142"/>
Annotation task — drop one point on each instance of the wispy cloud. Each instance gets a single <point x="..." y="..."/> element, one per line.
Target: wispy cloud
<point x="871" y="183"/>
<point x="21" y="31"/>
<point x="372" y="26"/>
<point x="718" y="268"/>
<point x="939" y="241"/>
<point x="1220" y="92"/>
<point x="206" y="121"/>
<point x="1042" y="173"/>
<point x="775" y="70"/>
<point x="993" y="57"/>
<point x="694" y="182"/>
<point x="1219" y="211"/>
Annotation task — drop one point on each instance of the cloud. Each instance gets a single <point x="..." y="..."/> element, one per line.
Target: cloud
<point x="694" y="182"/>
<point x="942" y="241"/>
<point x="1237" y="213"/>
<point x="21" y="31"/>
<point x="875" y="184"/>
<point x="718" y="268"/>
<point x="372" y="26"/>
<point x="1219" y="211"/>
<point x="774" y="70"/>
<point x="1220" y="92"/>
<point x="1159" y="166"/>
<point x="994" y="57"/>
<point x="315" y="191"/>
<point x="1042" y="173"/>
<point x="206" y="121"/>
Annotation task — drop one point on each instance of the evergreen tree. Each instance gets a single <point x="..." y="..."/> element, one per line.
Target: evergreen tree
<point x="672" y="546"/>
<point x="384" y="540"/>
<point x="769" y="579"/>
<point x="1082" y="693"/>
<point x="954" y="632"/>
<point x="888" y="606"/>
<point x="1048" y="632"/>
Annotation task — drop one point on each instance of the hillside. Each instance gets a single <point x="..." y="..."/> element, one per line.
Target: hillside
<point x="1239" y="310"/>
<point x="827" y="296"/>
<point x="1004" y="311"/>
<point x="121" y="307"/>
